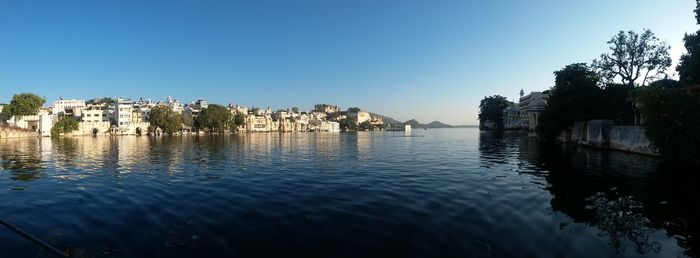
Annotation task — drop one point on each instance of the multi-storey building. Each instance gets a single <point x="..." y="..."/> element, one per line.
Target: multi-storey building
<point x="69" y="107"/>
<point x="360" y="116"/>
<point x="326" y="108"/>
<point x="531" y="106"/>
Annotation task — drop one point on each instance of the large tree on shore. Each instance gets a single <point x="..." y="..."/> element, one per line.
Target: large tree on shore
<point x="574" y="98"/>
<point x="670" y="109"/>
<point x="672" y="120"/>
<point x="23" y="104"/>
<point x="64" y="125"/>
<point x="689" y="66"/>
<point x="635" y="58"/>
<point x="491" y="109"/>
<point x="165" y="118"/>
<point x="215" y="118"/>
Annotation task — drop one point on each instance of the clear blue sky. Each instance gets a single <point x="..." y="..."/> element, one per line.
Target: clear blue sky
<point x="429" y="60"/>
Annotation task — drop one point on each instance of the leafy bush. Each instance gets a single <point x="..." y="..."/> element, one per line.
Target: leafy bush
<point x="64" y="125"/>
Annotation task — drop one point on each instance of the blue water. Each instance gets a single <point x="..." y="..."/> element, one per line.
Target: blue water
<point x="430" y="193"/>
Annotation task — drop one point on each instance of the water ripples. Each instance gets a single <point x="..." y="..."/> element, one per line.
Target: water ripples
<point x="447" y="193"/>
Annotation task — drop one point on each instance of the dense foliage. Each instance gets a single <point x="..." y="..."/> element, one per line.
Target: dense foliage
<point x="671" y="116"/>
<point x="573" y="98"/>
<point x="238" y="120"/>
<point x="491" y="109"/>
<point x="216" y="118"/>
<point x="23" y="104"/>
<point x="354" y="109"/>
<point x="671" y="109"/>
<point x="689" y="66"/>
<point x="64" y="125"/>
<point x="348" y="124"/>
<point x="105" y="100"/>
<point x="366" y="126"/>
<point x="635" y="59"/>
<point x="165" y="118"/>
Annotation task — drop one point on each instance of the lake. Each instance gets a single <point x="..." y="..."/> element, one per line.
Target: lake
<point x="428" y="193"/>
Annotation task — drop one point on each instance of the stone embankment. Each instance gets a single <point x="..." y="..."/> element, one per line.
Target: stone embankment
<point x="8" y="132"/>
<point x="605" y="134"/>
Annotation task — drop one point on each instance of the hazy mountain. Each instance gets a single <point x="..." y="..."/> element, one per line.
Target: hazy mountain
<point x="438" y="124"/>
<point x="434" y="124"/>
<point x="414" y="123"/>
<point x="386" y="119"/>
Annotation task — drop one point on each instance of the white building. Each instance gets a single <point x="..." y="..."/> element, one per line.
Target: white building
<point x="122" y="112"/>
<point x="531" y="106"/>
<point x="360" y="116"/>
<point x="511" y="117"/>
<point x="260" y="123"/>
<point x="174" y="105"/>
<point x="46" y="122"/>
<point x="73" y="107"/>
<point x="326" y="108"/>
<point x="328" y="126"/>
<point x="96" y="113"/>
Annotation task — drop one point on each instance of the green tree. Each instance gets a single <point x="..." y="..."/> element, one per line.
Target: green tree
<point x="295" y="110"/>
<point x="491" y="110"/>
<point x="105" y="100"/>
<point x="689" y="66"/>
<point x="215" y="118"/>
<point x="354" y="109"/>
<point x="672" y="121"/>
<point x="615" y="103"/>
<point x="573" y="98"/>
<point x="64" y="124"/>
<point x="634" y="57"/>
<point x="165" y="118"/>
<point x="367" y="126"/>
<point x="348" y="124"/>
<point x="23" y="104"/>
<point x="238" y="120"/>
<point x="187" y="120"/>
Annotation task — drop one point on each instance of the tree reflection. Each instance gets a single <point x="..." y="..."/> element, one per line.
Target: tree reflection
<point x="621" y="219"/>
<point x="626" y="196"/>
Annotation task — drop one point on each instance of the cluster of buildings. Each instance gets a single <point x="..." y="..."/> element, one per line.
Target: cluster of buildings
<point x="122" y="116"/>
<point x="525" y="114"/>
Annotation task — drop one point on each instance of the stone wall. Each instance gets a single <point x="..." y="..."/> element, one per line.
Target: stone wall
<point x="630" y="138"/>
<point x="8" y="133"/>
<point x="604" y="134"/>
<point x="597" y="133"/>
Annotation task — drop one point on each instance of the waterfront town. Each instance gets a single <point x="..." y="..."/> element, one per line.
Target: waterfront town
<point x="123" y="116"/>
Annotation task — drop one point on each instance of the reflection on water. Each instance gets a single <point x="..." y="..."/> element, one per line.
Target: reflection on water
<point x="620" y="220"/>
<point x="435" y="193"/>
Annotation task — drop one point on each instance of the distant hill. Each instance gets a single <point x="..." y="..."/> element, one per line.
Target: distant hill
<point x="386" y="119"/>
<point x="438" y="124"/>
<point x="434" y="124"/>
<point x="414" y="123"/>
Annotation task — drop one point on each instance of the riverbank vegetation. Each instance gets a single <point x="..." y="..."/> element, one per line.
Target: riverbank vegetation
<point x="491" y="111"/>
<point x="64" y="125"/>
<point x="630" y="85"/>
<point x="22" y="104"/>
<point x="215" y="118"/>
<point x="165" y="118"/>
